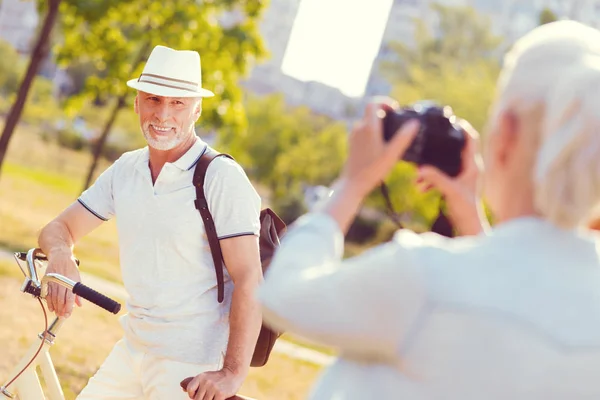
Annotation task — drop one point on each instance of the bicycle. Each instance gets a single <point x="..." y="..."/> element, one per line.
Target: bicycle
<point x="25" y="379"/>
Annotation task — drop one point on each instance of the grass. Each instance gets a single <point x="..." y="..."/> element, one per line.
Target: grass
<point x="56" y="181"/>
<point x="88" y="336"/>
<point x="9" y="269"/>
<point x="288" y="337"/>
<point x="39" y="180"/>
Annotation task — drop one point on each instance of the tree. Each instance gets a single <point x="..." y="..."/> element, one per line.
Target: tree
<point x="120" y="40"/>
<point x="461" y="37"/>
<point x="285" y="149"/>
<point x="458" y="66"/>
<point x="40" y="51"/>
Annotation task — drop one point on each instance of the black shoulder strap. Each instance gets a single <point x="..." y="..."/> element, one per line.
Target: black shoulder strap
<point x="209" y="224"/>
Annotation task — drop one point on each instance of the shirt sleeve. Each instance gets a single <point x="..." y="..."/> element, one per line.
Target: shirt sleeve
<point x="363" y="306"/>
<point x="232" y="200"/>
<point x="99" y="198"/>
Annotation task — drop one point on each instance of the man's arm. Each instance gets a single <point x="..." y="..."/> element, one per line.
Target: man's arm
<point x="242" y="258"/>
<point x="56" y="241"/>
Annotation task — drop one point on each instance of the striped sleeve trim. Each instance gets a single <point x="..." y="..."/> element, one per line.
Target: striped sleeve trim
<point x="92" y="211"/>
<point x="237" y="235"/>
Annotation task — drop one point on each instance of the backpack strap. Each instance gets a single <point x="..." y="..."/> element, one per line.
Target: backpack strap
<point x="209" y="224"/>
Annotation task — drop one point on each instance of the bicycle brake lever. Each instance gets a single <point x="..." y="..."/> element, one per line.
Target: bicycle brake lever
<point x="5" y="392"/>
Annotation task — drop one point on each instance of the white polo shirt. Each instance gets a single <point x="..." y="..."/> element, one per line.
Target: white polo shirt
<point x="165" y="258"/>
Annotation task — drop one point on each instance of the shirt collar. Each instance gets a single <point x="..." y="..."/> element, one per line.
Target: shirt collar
<point x="186" y="162"/>
<point x="189" y="159"/>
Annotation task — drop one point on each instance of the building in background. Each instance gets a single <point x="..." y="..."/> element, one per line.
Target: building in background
<point x="268" y="77"/>
<point x="510" y="18"/>
<point x="18" y="24"/>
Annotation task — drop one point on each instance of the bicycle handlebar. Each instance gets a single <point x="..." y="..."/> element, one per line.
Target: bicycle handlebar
<point x="97" y="298"/>
<point x="82" y="290"/>
<point x="40" y="289"/>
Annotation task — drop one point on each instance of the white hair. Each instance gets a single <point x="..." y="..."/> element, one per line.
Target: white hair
<point x="557" y="66"/>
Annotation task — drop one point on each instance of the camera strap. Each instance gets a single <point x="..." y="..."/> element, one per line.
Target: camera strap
<point x="441" y="225"/>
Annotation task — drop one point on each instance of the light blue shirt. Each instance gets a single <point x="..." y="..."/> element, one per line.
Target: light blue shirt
<point x="511" y="315"/>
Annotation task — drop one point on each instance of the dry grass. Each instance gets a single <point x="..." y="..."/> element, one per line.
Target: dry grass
<point x="38" y="181"/>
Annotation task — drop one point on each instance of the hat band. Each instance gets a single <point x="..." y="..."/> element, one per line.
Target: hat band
<point x="169" y="82"/>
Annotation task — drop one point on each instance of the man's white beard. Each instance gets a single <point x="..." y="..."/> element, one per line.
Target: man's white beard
<point x="163" y="143"/>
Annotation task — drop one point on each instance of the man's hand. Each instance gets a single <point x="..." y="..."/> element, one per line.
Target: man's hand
<point x="56" y="241"/>
<point x="214" y="385"/>
<point x="59" y="299"/>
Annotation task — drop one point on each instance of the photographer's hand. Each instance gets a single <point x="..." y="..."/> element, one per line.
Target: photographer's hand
<point x="462" y="193"/>
<point x="370" y="160"/>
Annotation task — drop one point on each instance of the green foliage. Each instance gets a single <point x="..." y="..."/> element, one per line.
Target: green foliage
<point x="127" y="130"/>
<point x="468" y="89"/>
<point x="41" y="90"/>
<point x="11" y="69"/>
<point x="41" y="108"/>
<point x="362" y="230"/>
<point x="547" y="16"/>
<point x="285" y="149"/>
<point x="462" y="37"/>
<point x="126" y="133"/>
<point x="70" y="139"/>
<point x="112" y="39"/>
<point x="417" y="209"/>
<point x="290" y="206"/>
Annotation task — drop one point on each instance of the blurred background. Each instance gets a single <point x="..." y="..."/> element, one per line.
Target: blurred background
<point x="290" y="78"/>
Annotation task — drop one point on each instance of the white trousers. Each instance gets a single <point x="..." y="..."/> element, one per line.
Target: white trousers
<point x="128" y="373"/>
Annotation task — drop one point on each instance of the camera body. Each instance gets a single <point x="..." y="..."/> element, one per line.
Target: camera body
<point x="440" y="140"/>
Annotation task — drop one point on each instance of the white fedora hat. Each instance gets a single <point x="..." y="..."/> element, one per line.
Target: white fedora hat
<point x="171" y="73"/>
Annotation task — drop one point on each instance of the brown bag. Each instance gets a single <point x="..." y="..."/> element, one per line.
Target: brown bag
<point x="271" y="229"/>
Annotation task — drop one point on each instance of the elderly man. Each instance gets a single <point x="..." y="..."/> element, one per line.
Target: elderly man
<point x="175" y="327"/>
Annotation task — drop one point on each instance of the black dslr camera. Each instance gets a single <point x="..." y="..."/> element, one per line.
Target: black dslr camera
<point x="440" y="140"/>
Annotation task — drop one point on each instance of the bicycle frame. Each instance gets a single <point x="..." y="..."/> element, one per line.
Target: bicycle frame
<point x="27" y="385"/>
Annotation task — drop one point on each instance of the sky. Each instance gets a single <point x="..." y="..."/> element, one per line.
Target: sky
<point x="336" y="41"/>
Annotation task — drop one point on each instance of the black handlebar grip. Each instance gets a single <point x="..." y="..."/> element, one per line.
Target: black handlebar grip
<point x="97" y="298"/>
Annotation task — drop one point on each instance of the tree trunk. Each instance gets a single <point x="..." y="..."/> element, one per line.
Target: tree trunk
<point x="111" y="120"/>
<point x="39" y="53"/>
<point x="99" y="145"/>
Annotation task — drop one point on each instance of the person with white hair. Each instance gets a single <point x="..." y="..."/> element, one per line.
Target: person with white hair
<point x="509" y="312"/>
